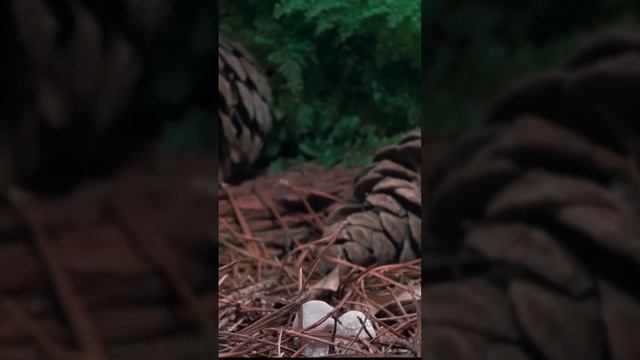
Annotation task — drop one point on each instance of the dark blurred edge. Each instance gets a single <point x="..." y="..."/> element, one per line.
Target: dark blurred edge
<point x="424" y="171"/>
<point x="215" y="189"/>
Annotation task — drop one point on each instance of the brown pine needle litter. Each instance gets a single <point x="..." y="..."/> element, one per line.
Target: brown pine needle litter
<point x="262" y="286"/>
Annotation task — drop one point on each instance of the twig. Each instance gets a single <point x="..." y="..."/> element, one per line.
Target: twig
<point x="43" y="339"/>
<point x="280" y="343"/>
<point x="318" y="339"/>
<point x="251" y="289"/>
<point x="276" y="214"/>
<point x="315" y="192"/>
<point x="318" y="223"/>
<point x="236" y="210"/>
<point x="332" y="238"/>
<point x="250" y="255"/>
<point x="84" y="330"/>
<point x="154" y="248"/>
<point x="249" y="338"/>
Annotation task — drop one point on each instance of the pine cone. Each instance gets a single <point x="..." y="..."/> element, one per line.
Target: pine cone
<point x="70" y="74"/>
<point x="534" y="228"/>
<point x="244" y="109"/>
<point x="595" y="95"/>
<point x="382" y="225"/>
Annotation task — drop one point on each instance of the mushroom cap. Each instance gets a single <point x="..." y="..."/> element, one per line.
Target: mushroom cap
<point x="349" y="325"/>
<point x="312" y="311"/>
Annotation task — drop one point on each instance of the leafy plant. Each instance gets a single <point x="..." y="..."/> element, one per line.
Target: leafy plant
<point x="345" y="73"/>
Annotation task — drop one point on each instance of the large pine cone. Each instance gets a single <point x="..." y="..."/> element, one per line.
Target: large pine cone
<point x="382" y="225"/>
<point x="595" y="95"/>
<point x="533" y="248"/>
<point x="244" y="109"/>
<point x="68" y="75"/>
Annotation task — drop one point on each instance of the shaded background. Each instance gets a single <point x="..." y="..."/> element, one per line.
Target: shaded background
<point x="85" y="84"/>
<point x="533" y="121"/>
<point x="474" y="49"/>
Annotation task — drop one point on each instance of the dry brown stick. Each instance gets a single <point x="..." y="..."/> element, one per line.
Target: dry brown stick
<point x="317" y="322"/>
<point x="249" y="255"/>
<point x="83" y="329"/>
<point x="301" y="258"/>
<point x="370" y="355"/>
<point x="109" y="321"/>
<point x="299" y="351"/>
<point x="407" y="264"/>
<point x="316" y="192"/>
<point x="246" y="230"/>
<point x="397" y="302"/>
<point x="398" y="317"/>
<point x="276" y="214"/>
<point x="224" y="268"/>
<point x="241" y="345"/>
<point x="381" y="323"/>
<point x="50" y="347"/>
<point x="402" y="343"/>
<point x="357" y="336"/>
<point x="327" y="239"/>
<point x="363" y="294"/>
<point x="176" y="279"/>
<point x="360" y="278"/>
<point x="280" y="342"/>
<point x="318" y="339"/>
<point x="384" y="278"/>
<point x="245" y="337"/>
<point x="157" y="251"/>
<point x="339" y="261"/>
<point x="259" y="287"/>
<point x="332" y="238"/>
<point x="248" y="240"/>
<point x="418" y="336"/>
<point x="285" y="310"/>
<point x="233" y="354"/>
<point x="318" y="223"/>
<point x="402" y="326"/>
<point x="241" y="238"/>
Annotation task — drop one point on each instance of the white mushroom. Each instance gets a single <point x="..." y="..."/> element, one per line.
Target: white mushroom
<point x="312" y="312"/>
<point x="349" y="325"/>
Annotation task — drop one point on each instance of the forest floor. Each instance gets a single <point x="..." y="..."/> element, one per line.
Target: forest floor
<point x="271" y="232"/>
<point x="120" y="268"/>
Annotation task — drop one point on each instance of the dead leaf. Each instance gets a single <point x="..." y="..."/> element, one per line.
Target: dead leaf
<point x="385" y="298"/>
<point x="329" y="282"/>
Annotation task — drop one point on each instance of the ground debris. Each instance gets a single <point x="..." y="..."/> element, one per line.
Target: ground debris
<point x="265" y="276"/>
<point x="117" y="269"/>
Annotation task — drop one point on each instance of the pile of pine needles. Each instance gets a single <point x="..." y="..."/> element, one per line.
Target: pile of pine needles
<point x="260" y="293"/>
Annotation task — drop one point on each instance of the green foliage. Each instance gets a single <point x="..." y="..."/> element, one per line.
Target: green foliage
<point x="475" y="48"/>
<point x="345" y="73"/>
<point x="192" y="132"/>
